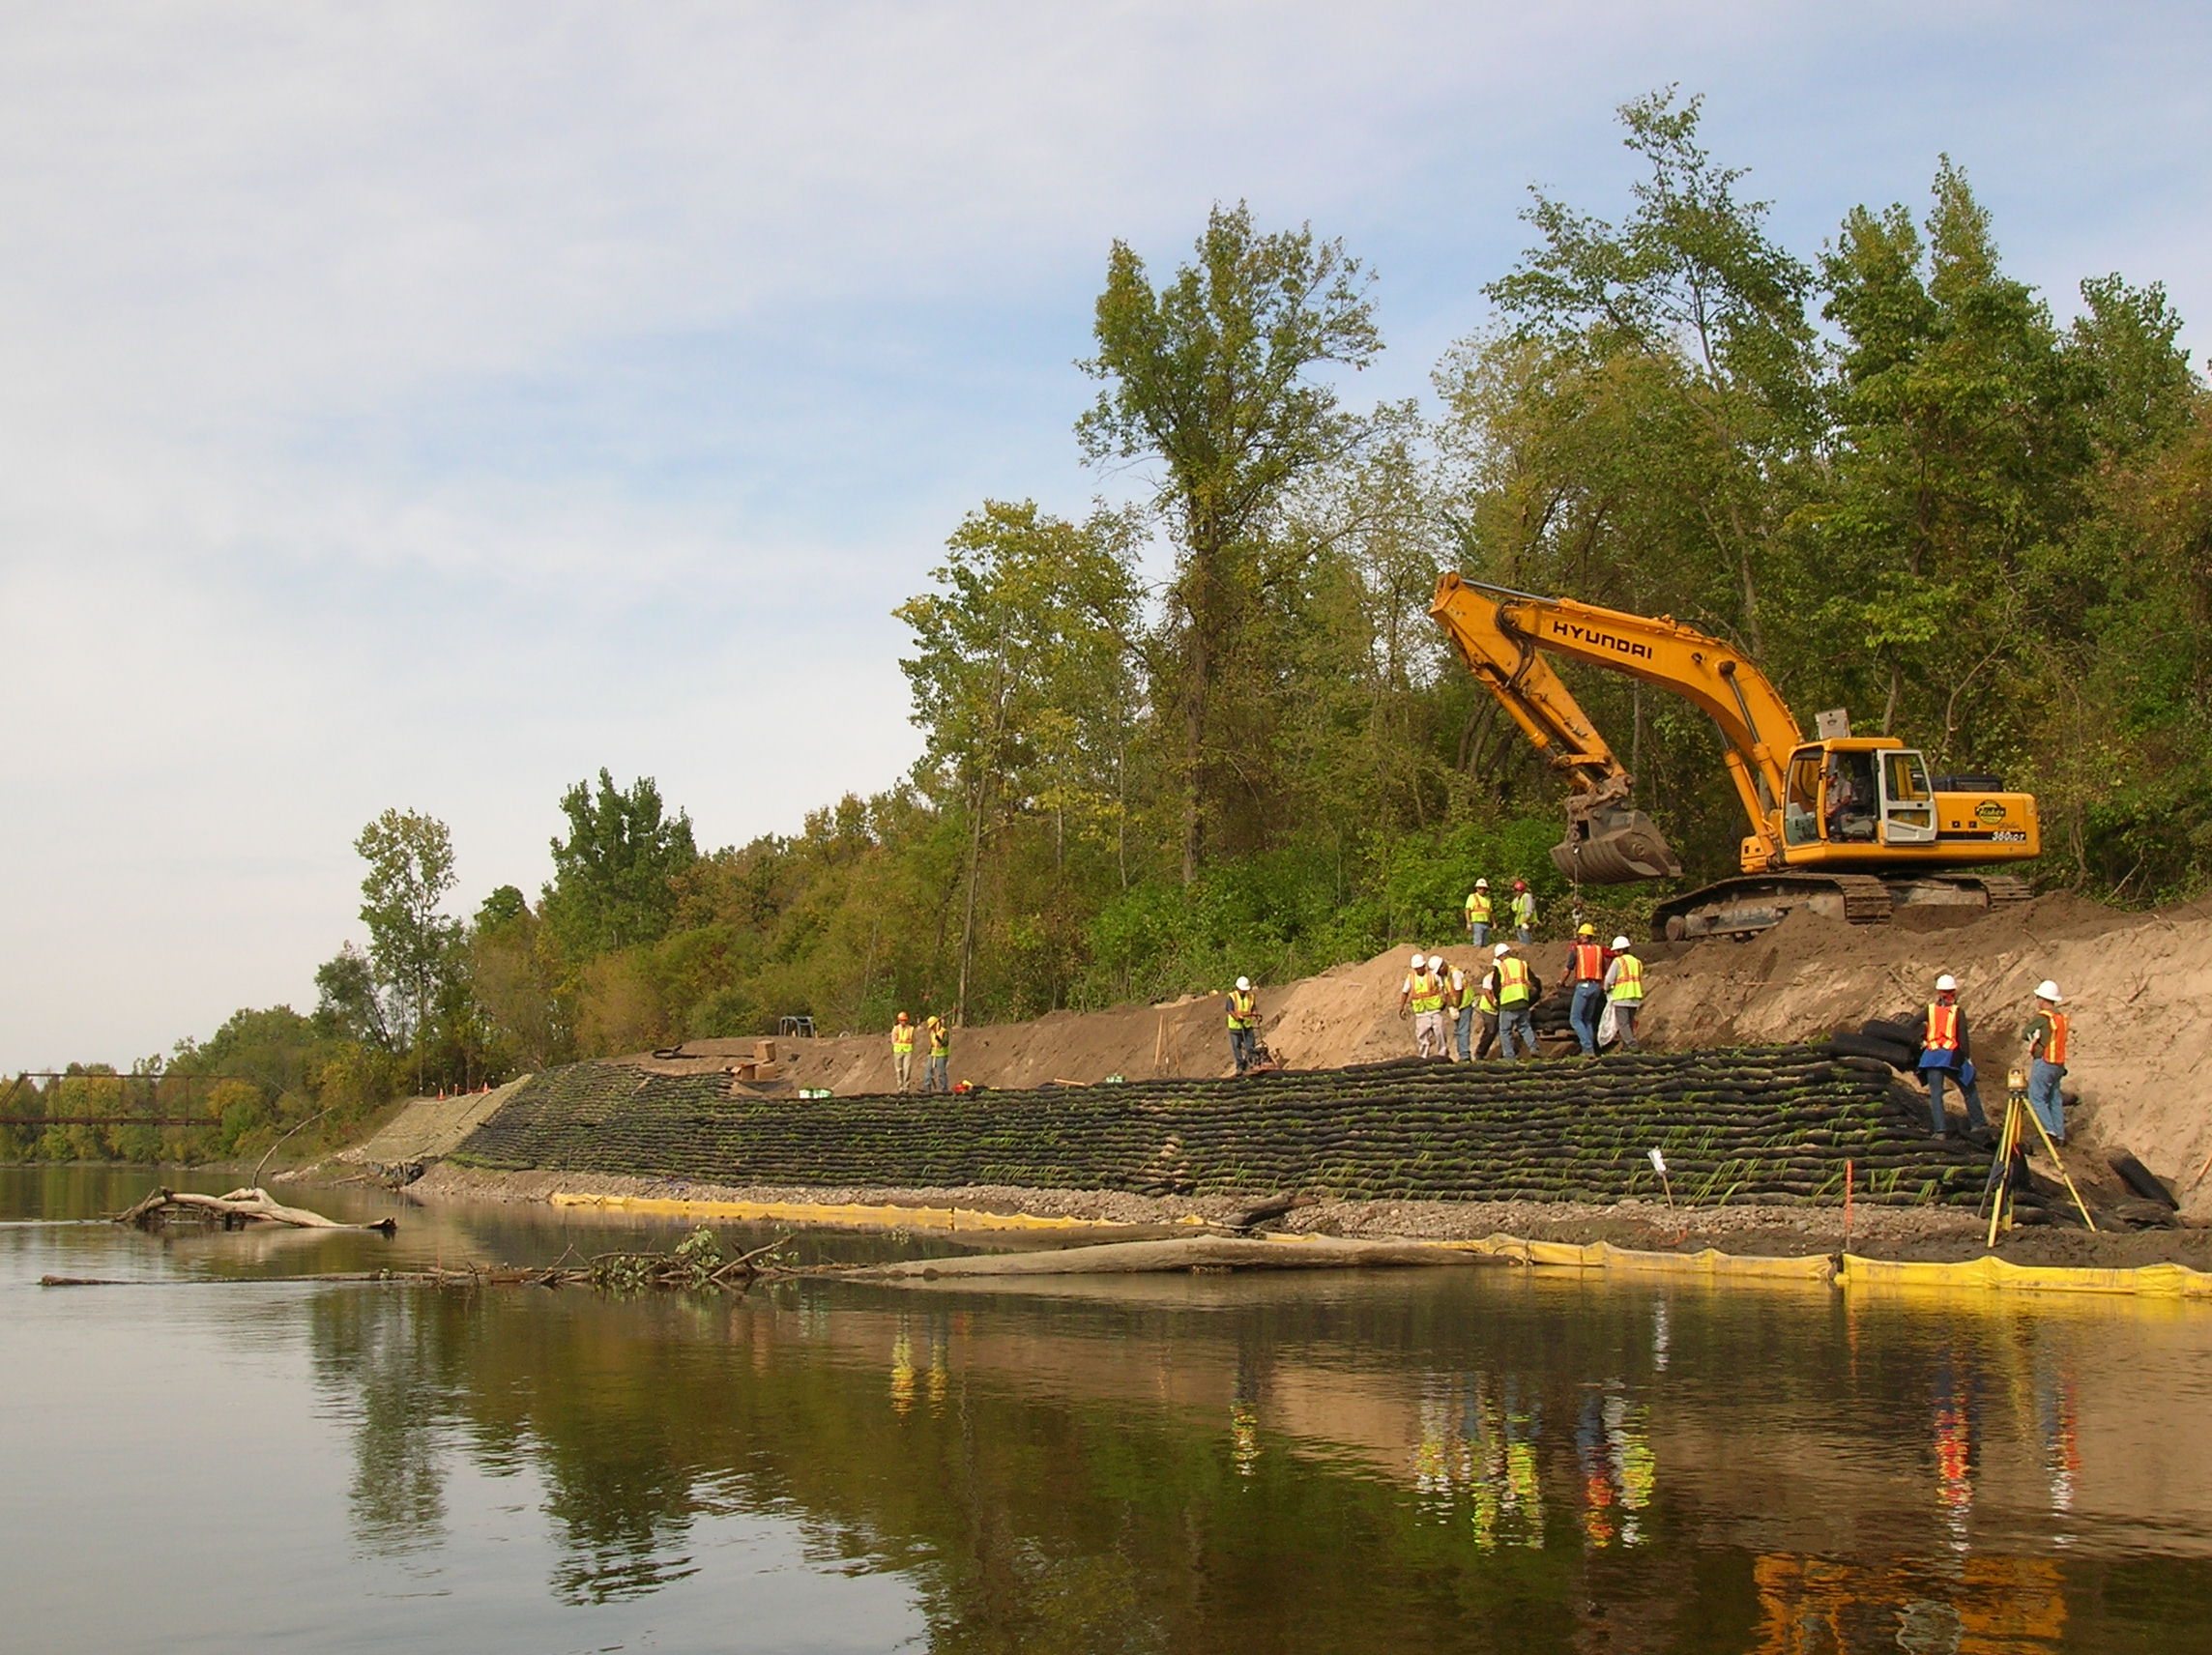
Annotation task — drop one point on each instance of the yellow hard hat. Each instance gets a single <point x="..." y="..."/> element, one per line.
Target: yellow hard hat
<point x="1586" y="931"/>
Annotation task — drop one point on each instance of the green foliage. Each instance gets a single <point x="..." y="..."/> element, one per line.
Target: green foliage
<point x="612" y="874"/>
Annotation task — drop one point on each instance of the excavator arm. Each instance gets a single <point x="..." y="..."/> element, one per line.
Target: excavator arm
<point x="1502" y="635"/>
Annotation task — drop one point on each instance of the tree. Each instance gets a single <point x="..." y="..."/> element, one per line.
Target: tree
<point x="1211" y="375"/>
<point x="1963" y="455"/>
<point x="612" y="875"/>
<point x="412" y="945"/>
<point x="1690" y="288"/>
<point x="1024" y="678"/>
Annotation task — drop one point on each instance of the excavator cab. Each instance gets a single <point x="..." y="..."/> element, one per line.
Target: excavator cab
<point x="1858" y="792"/>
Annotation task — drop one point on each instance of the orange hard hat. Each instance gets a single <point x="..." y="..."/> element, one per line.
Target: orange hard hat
<point x="903" y="1018"/>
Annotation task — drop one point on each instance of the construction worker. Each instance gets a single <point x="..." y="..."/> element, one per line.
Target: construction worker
<point x="1585" y="969"/>
<point x="1478" y="914"/>
<point x="1517" y="990"/>
<point x="1624" y="992"/>
<point x="1523" y="912"/>
<point x="1944" y="1055"/>
<point x="939" y="1075"/>
<point x="902" y="1052"/>
<point x="1423" y="994"/>
<point x="1486" y="1012"/>
<point x="2046" y="1038"/>
<point x="1243" y="1026"/>
<point x="1459" y="1008"/>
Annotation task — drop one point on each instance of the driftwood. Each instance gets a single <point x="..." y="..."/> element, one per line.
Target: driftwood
<point x="239" y="1207"/>
<point x="694" y="1265"/>
<point x="1202" y="1254"/>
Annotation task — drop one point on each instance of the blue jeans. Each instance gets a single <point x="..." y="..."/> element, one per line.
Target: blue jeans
<point x="1466" y="1032"/>
<point x="1512" y="1018"/>
<point x="2044" y="1098"/>
<point x="1582" y="1015"/>
<point x="1972" y="1093"/>
<point x="1525" y="933"/>
<point x="1243" y="1044"/>
<point x="1479" y="935"/>
<point x="939" y="1075"/>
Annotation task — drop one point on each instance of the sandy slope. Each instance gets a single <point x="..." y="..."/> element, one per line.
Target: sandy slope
<point x="2138" y="986"/>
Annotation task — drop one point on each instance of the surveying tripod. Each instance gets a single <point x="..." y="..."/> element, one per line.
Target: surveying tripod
<point x="2008" y="1168"/>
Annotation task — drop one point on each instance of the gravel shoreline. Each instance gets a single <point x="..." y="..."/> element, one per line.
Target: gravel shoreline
<point x="1930" y="1233"/>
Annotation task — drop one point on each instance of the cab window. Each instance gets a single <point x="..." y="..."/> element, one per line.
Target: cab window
<point x="1802" y="800"/>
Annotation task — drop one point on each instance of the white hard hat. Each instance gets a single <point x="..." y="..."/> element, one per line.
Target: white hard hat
<point x="1946" y="984"/>
<point x="2048" y="990"/>
<point x="1500" y="951"/>
<point x="1481" y="884"/>
<point x="1420" y="960"/>
<point x="1245" y="983"/>
<point x="1621" y="945"/>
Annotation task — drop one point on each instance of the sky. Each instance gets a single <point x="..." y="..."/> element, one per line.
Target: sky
<point x="428" y="405"/>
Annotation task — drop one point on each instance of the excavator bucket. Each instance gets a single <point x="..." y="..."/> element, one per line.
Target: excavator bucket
<point x="1615" y="847"/>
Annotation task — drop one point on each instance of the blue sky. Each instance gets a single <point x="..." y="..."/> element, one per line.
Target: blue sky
<point x="428" y="405"/>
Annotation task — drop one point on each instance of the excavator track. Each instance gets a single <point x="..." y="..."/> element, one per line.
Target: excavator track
<point x="1757" y="902"/>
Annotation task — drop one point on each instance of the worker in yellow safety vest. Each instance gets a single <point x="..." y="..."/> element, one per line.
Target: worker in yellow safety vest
<point x="1518" y="987"/>
<point x="1624" y="992"/>
<point x="939" y="1075"/>
<point x="1945" y="1055"/>
<point x="902" y="1052"/>
<point x="1243" y="1026"/>
<point x="1478" y="914"/>
<point x="1523" y="912"/>
<point x="1422" y="993"/>
<point x="1486" y="1013"/>
<point x="2046" y="1038"/>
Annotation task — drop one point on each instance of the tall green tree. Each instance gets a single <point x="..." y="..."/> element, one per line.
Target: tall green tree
<point x="413" y="946"/>
<point x="612" y="872"/>
<point x="1212" y="376"/>
<point x="1024" y="680"/>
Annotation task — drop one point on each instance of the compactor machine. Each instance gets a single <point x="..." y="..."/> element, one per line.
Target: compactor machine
<point x="1849" y="825"/>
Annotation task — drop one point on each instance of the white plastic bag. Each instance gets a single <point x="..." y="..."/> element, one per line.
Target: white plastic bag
<point x="1607" y="1027"/>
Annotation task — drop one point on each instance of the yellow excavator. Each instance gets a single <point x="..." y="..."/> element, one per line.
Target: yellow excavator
<point x="1849" y="825"/>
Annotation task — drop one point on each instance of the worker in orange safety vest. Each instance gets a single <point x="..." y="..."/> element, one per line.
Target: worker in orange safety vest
<point x="1945" y="1056"/>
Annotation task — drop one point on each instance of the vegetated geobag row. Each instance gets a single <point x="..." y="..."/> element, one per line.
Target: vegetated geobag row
<point x="1764" y="1124"/>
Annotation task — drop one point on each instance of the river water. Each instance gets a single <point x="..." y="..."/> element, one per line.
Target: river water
<point x="1420" y="1461"/>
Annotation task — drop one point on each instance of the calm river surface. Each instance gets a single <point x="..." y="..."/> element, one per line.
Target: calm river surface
<point x="1421" y="1461"/>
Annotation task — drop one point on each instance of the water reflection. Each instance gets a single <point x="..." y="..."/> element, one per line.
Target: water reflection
<point x="1485" y="1461"/>
<point x="1046" y="1473"/>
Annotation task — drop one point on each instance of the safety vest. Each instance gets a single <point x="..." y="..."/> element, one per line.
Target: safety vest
<point x="1428" y="992"/>
<point x="1239" y="1008"/>
<point x="902" y="1037"/>
<point x="1942" y="1027"/>
<point x="1455" y="986"/>
<point x="1512" y="980"/>
<point x="2053" y="1037"/>
<point x="1590" y="963"/>
<point x="1486" y="1001"/>
<point x="1479" y="908"/>
<point x="1524" y="908"/>
<point x="940" y="1040"/>
<point x="1628" y="981"/>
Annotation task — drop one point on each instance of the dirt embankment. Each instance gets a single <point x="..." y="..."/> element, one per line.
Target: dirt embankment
<point x="2139" y="988"/>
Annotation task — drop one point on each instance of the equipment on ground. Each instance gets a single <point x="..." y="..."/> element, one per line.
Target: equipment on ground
<point x="2008" y="1167"/>
<point x="1849" y="825"/>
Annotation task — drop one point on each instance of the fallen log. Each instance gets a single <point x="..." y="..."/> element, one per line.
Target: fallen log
<point x="1203" y="1253"/>
<point x="239" y="1207"/>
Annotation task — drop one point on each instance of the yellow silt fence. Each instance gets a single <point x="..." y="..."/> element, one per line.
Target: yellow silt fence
<point x="1848" y="1270"/>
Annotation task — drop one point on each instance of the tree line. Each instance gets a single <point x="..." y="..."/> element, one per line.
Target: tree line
<point x="1211" y="729"/>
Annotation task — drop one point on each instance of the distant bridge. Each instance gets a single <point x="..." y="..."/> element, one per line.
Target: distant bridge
<point x="17" y="1086"/>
